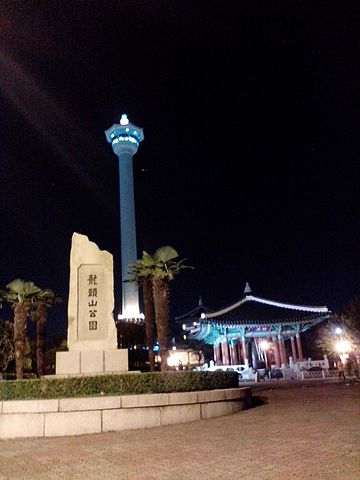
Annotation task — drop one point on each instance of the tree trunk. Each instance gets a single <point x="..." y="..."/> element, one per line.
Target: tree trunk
<point x="40" y="338"/>
<point x="21" y="311"/>
<point x="161" y="300"/>
<point x="149" y="312"/>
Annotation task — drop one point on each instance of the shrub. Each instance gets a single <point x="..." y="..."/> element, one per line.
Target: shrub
<point x="125" y="384"/>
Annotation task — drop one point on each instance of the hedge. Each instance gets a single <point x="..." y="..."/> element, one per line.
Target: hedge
<point x="126" y="384"/>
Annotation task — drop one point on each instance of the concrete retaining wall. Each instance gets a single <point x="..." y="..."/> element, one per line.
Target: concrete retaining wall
<point x="76" y="416"/>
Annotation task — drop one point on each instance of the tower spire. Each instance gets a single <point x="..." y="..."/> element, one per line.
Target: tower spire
<point x="247" y="288"/>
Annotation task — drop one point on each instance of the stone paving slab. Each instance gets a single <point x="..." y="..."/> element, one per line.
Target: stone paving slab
<point x="302" y="431"/>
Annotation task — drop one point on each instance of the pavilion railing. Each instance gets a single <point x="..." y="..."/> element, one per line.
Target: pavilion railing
<point x="319" y="374"/>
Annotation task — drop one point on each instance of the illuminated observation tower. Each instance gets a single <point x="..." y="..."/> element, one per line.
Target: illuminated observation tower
<point x="125" y="139"/>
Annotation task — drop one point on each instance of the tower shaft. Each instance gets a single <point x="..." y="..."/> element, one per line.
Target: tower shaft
<point x="130" y="294"/>
<point x="125" y="139"/>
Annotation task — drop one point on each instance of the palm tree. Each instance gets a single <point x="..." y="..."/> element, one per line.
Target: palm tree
<point x="163" y="271"/>
<point x="142" y="273"/>
<point x="21" y="295"/>
<point x="41" y="302"/>
<point x="157" y="270"/>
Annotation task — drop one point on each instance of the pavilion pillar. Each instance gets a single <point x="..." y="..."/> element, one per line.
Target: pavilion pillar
<point x="293" y="348"/>
<point x="276" y="352"/>
<point x="225" y="352"/>
<point x="217" y="353"/>
<point x="243" y="344"/>
<point x="282" y="350"/>
<point x="231" y="353"/>
<point x="239" y="353"/>
<point x="234" y="353"/>
<point x="299" y="347"/>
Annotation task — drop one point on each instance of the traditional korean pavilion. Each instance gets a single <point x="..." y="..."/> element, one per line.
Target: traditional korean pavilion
<point x="254" y="329"/>
<point x="195" y="314"/>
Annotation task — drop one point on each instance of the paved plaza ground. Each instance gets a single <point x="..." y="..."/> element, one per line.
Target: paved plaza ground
<point x="302" y="431"/>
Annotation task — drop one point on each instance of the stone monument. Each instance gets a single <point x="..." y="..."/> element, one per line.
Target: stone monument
<point x="91" y="336"/>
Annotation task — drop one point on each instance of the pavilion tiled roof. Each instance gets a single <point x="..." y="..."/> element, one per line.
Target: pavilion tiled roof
<point x="253" y="310"/>
<point x="253" y="316"/>
<point x="195" y="313"/>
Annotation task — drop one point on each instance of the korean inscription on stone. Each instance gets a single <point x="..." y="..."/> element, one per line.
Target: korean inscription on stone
<point x="92" y="312"/>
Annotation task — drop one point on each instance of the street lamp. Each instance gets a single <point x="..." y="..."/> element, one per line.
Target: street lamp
<point x="342" y="346"/>
<point x="265" y="345"/>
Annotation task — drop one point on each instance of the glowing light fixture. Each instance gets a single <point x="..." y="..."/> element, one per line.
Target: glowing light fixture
<point x="131" y="314"/>
<point x="175" y="359"/>
<point x="124" y="119"/>
<point x="343" y="346"/>
<point x="264" y="345"/>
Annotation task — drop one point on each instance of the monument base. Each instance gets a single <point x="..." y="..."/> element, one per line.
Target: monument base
<point x="91" y="362"/>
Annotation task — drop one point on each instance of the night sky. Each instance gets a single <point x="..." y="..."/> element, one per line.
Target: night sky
<point x="250" y="163"/>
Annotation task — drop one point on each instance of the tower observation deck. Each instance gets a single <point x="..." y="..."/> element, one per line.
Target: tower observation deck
<point x="125" y="139"/>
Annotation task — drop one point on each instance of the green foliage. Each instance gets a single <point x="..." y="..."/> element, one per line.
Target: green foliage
<point x="7" y="353"/>
<point x="350" y="320"/>
<point x="45" y="298"/>
<point x="158" y="269"/>
<point x="161" y="264"/>
<point x="19" y="291"/>
<point x="165" y="265"/>
<point x="350" y="328"/>
<point x="28" y="300"/>
<point x="200" y="349"/>
<point x="6" y="344"/>
<point x="152" y="382"/>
